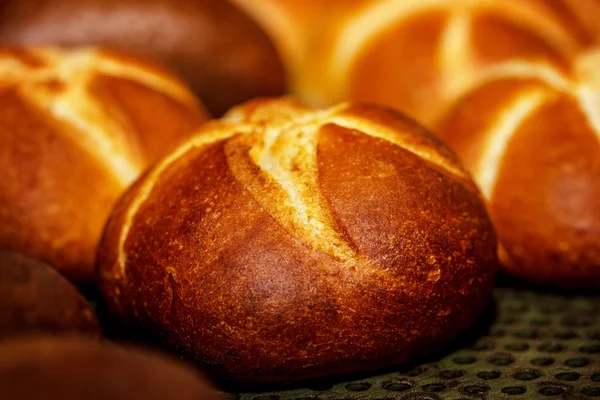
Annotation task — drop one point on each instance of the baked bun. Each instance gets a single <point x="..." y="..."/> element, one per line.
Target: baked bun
<point x="283" y="243"/>
<point x="74" y="369"/>
<point x="76" y="128"/>
<point x="35" y="298"/>
<point x="580" y="16"/>
<point x="372" y="55"/>
<point x="530" y="134"/>
<point x="295" y="25"/>
<point x="218" y="50"/>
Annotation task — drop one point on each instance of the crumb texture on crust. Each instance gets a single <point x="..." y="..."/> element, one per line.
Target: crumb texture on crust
<point x="301" y="242"/>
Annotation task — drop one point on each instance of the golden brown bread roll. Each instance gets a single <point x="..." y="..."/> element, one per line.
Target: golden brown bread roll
<point x="530" y="133"/>
<point x="580" y="16"/>
<point x="76" y="128"/>
<point x="35" y="298"/>
<point x="283" y="243"/>
<point x="295" y="25"/>
<point x="219" y="51"/>
<point x="74" y="369"/>
<point x="373" y="53"/>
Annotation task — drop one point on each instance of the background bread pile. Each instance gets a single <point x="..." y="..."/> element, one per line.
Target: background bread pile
<point x="289" y="239"/>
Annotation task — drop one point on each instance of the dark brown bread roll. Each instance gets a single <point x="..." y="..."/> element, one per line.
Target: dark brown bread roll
<point x="221" y="53"/>
<point x="76" y="128"/>
<point x="35" y="298"/>
<point x="75" y="369"/>
<point x="283" y="243"/>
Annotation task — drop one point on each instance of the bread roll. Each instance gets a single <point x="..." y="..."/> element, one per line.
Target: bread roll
<point x="580" y="16"/>
<point x="283" y="243"/>
<point x="35" y="298"/>
<point x="530" y="134"/>
<point x="416" y="55"/>
<point x="76" y="128"/>
<point x="74" y="369"/>
<point x="218" y="50"/>
<point x="295" y="26"/>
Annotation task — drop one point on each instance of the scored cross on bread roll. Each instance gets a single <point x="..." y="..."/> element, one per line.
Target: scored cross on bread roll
<point x="530" y="134"/>
<point x="415" y="55"/>
<point x="76" y="128"/>
<point x="283" y="243"/>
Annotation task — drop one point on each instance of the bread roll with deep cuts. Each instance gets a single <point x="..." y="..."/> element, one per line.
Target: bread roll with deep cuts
<point x="283" y="243"/>
<point x="34" y="298"/>
<point x="417" y="55"/>
<point x="219" y="51"/>
<point x="74" y="368"/>
<point x="530" y="134"/>
<point x="76" y="128"/>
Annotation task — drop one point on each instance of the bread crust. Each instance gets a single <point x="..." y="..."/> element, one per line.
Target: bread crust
<point x="76" y="128"/>
<point x="284" y="243"/>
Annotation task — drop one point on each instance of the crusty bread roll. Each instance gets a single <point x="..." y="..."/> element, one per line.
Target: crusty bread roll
<point x="219" y="51"/>
<point x="530" y="133"/>
<point x="35" y="298"/>
<point x="416" y="55"/>
<point x="74" y="369"/>
<point x="295" y="26"/>
<point x="580" y="16"/>
<point x="283" y="243"/>
<point x="76" y="128"/>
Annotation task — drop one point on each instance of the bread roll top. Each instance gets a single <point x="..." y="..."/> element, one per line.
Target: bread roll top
<point x="76" y="128"/>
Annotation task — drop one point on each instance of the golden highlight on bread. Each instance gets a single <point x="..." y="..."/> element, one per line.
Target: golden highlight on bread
<point x="215" y="48"/>
<point x="283" y="243"/>
<point x="76" y="128"/>
<point x="74" y="368"/>
<point x="36" y="299"/>
<point x="530" y="134"/>
<point x="416" y="55"/>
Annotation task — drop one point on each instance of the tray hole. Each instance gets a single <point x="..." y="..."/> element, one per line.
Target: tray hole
<point x="482" y="346"/>
<point x="397" y="386"/>
<point x="527" y="334"/>
<point x="476" y="389"/>
<point x="591" y="391"/>
<point x="501" y="359"/>
<point x="464" y="359"/>
<point x="540" y="321"/>
<point x="577" y="362"/>
<point x="517" y="347"/>
<point x="590" y="348"/>
<point x="268" y="397"/>
<point x="551" y="347"/>
<point x="542" y="361"/>
<point x="527" y="375"/>
<point x="487" y="375"/>
<point x="434" y="387"/>
<point x="451" y="374"/>
<point x="568" y="376"/>
<point x="358" y="386"/>
<point x="566" y="335"/>
<point x="596" y="377"/>
<point x="514" y="390"/>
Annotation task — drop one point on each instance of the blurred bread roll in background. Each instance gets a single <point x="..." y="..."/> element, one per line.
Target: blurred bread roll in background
<point x="416" y="55"/>
<point x="69" y="368"/>
<point x="34" y="299"/>
<point x="291" y="243"/>
<point x="530" y="134"/>
<point x="219" y="51"/>
<point x="76" y="128"/>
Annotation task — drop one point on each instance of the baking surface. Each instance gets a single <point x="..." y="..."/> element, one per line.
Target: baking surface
<point x="528" y="344"/>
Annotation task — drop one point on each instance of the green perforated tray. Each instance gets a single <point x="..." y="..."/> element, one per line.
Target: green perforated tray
<point x="528" y="344"/>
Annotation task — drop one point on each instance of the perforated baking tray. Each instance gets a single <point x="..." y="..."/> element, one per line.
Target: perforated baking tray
<point x="529" y="343"/>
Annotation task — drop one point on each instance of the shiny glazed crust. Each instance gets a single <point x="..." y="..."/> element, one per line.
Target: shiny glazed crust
<point x="76" y="128"/>
<point x="530" y="134"/>
<point x="282" y="243"/>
